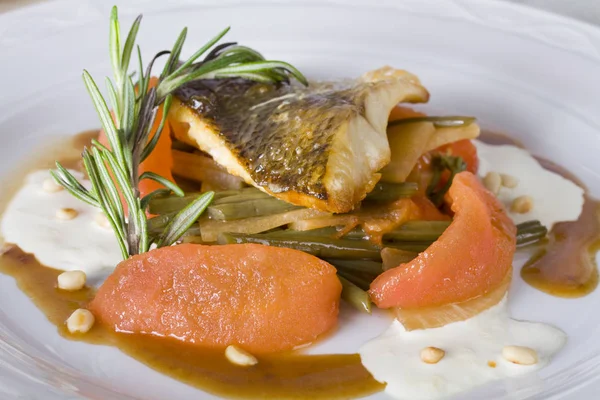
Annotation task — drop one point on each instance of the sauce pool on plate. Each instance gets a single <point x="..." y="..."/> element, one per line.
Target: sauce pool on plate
<point x="290" y="375"/>
<point x="280" y="376"/>
<point x="565" y="264"/>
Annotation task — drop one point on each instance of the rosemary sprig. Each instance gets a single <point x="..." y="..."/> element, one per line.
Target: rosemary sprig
<point x="439" y="164"/>
<point x="114" y="170"/>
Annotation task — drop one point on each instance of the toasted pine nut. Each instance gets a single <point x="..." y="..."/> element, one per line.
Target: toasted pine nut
<point x="520" y="355"/>
<point x="102" y="221"/>
<point x="50" y="186"/>
<point x="71" y="280"/>
<point x="509" y="181"/>
<point x="492" y="182"/>
<point x="80" y="321"/>
<point x="492" y="364"/>
<point x="66" y="214"/>
<point x="239" y="356"/>
<point x="432" y="355"/>
<point x="522" y="204"/>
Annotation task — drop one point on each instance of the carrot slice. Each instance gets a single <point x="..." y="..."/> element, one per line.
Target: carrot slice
<point x="471" y="258"/>
<point x="264" y="299"/>
<point x="160" y="161"/>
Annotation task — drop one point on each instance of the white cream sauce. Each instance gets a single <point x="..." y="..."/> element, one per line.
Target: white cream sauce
<point x="79" y="244"/>
<point x="554" y="198"/>
<point x="394" y="357"/>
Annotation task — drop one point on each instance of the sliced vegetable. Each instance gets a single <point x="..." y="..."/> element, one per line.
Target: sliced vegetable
<point x="211" y="229"/>
<point x="418" y="231"/>
<point x="256" y="286"/>
<point x="437" y="188"/>
<point x="355" y="296"/>
<point x="530" y="232"/>
<point x="203" y="169"/>
<point x="357" y="266"/>
<point x="408" y="142"/>
<point x="422" y="231"/>
<point x="248" y="194"/>
<point x="249" y="208"/>
<point x="471" y="257"/>
<point x="183" y="220"/>
<point x="168" y="204"/>
<point x="438" y="122"/>
<point x="340" y="220"/>
<point x="322" y="247"/>
<point x="434" y="317"/>
<point x="394" y="257"/>
<point x="386" y="192"/>
<point x="412" y="134"/>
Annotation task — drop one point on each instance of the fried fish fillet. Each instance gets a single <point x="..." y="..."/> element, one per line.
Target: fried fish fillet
<point x="320" y="146"/>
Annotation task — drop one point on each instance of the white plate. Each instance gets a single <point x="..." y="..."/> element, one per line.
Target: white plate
<point x="532" y="74"/>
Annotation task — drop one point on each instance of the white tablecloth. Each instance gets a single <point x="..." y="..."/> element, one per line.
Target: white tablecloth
<point x="585" y="10"/>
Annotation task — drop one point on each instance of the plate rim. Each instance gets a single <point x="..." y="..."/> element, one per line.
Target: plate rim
<point x="47" y="22"/>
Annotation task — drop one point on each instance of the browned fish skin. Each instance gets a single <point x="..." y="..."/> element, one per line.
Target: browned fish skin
<point x="283" y="137"/>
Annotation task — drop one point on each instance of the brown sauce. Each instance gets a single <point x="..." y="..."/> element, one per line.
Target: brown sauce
<point x="281" y="376"/>
<point x="565" y="265"/>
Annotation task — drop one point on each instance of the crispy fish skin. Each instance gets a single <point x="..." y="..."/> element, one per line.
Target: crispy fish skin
<point x="318" y="147"/>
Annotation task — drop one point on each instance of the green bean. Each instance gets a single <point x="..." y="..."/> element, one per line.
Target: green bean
<point x="193" y="231"/>
<point x="418" y="231"/>
<point x="394" y="257"/>
<point x="322" y="247"/>
<point x="158" y="223"/>
<point x="328" y="231"/>
<point x="248" y="209"/>
<point x="243" y="197"/>
<point x="196" y="239"/>
<point x="355" y="296"/>
<point x="172" y="203"/>
<point x="529" y="224"/>
<point x="360" y="281"/>
<point x="388" y="192"/>
<point x="234" y="192"/>
<point x="438" y="122"/>
<point x="530" y="232"/>
<point x="168" y="204"/>
<point x="361" y="266"/>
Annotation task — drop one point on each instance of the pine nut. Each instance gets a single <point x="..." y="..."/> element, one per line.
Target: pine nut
<point x="492" y="182"/>
<point x="520" y="355"/>
<point x="71" y="280"/>
<point x="66" y="214"/>
<point x="102" y="221"/>
<point x="50" y="186"/>
<point x="81" y="321"/>
<point x="492" y="364"/>
<point x="432" y="355"/>
<point x="509" y="181"/>
<point x="239" y="356"/>
<point x="522" y="204"/>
